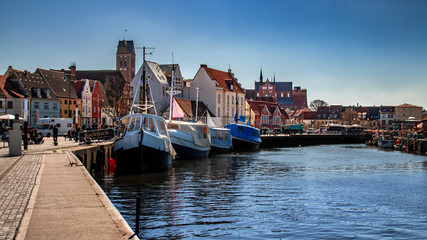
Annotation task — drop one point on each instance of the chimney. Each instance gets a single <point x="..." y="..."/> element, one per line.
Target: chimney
<point x="73" y="71"/>
<point x="204" y="65"/>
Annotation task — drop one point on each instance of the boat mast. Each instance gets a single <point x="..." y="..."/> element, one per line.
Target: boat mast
<point x="197" y="102"/>
<point x="171" y="94"/>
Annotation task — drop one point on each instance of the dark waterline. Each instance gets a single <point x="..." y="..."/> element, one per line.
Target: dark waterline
<point x="318" y="192"/>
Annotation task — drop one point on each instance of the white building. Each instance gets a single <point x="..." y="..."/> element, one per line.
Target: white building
<point x="158" y="79"/>
<point x="220" y="92"/>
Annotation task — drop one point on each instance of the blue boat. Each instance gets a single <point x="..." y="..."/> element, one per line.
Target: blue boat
<point x="245" y="138"/>
<point x="220" y="141"/>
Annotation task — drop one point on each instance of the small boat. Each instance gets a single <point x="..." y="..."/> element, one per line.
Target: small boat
<point x="190" y="140"/>
<point x="220" y="141"/>
<point x="144" y="145"/>
<point x="244" y="137"/>
<point x="385" y="142"/>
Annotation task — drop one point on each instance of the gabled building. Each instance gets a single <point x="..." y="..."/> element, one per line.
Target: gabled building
<point x="117" y="89"/>
<point x="84" y="92"/>
<point x="220" y="91"/>
<point x="42" y="104"/>
<point x="178" y="84"/>
<point x="282" y="92"/>
<point x="64" y="91"/>
<point x="157" y="85"/>
<point x="264" y="114"/>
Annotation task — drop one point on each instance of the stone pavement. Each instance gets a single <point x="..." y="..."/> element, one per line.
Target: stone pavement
<point x="43" y="197"/>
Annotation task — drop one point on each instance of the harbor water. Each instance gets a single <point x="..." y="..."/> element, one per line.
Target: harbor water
<point x="315" y="192"/>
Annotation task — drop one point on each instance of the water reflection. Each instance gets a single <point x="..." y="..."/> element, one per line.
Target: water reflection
<point x="337" y="191"/>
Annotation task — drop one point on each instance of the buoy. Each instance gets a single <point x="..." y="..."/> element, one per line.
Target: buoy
<point x="111" y="165"/>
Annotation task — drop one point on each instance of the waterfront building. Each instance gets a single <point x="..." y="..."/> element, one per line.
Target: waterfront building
<point x="61" y="87"/>
<point x="283" y="92"/>
<point x="117" y="90"/>
<point x="178" y="81"/>
<point x="404" y="111"/>
<point x="220" y="91"/>
<point x="266" y="114"/>
<point x="157" y="83"/>
<point x="42" y="103"/>
<point x="125" y="59"/>
<point x="387" y="117"/>
<point x="84" y="92"/>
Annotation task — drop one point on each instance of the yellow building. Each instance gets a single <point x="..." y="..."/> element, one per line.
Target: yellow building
<point x="404" y="111"/>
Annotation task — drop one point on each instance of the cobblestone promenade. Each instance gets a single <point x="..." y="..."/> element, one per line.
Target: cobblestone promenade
<point x="43" y="197"/>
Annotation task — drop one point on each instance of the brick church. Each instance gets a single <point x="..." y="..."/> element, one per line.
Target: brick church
<point x="281" y="92"/>
<point x="125" y="59"/>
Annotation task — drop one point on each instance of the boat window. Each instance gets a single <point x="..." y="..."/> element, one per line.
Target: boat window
<point x="123" y="127"/>
<point x="162" y="127"/>
<point x="137" y="124"/>
<point x="149" y="124"/>
<point x="132" y="124"/>
<point x="214" y="134"/>
<point x="173" y="126"/>
<point x="225" y="136"/>
<point x="239" y="129"/>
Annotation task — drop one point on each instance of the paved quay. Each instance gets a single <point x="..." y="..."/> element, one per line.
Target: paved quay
<point x="43" y="197"/>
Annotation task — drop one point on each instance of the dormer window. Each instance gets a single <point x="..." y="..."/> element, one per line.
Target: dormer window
<point x="39" y="92"/>
<point x="48" y="93"/>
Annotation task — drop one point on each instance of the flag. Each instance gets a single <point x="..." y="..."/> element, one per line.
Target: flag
<point x="177" y="111"/>
<point x="235" y="117"/>
<point x="242" y="118"/>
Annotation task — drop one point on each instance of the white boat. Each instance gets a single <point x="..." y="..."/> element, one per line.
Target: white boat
<point x="144" y="145"/>
<point x="190" y="140"/>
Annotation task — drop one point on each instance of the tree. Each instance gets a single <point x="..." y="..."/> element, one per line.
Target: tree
<point x="315" y="104"/>
<point x="350" y="116"/>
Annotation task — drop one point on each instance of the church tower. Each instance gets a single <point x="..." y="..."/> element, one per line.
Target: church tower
<point x="125" y="59"/>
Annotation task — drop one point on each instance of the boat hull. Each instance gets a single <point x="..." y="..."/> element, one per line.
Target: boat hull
<point x="242" y="145"/>
<point x="142" y="159"/>
<point x="219" y="150"/>
<point x="184" y="152"/>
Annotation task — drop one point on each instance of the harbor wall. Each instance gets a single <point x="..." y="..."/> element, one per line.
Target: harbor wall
<point x="299" y="140"/>
<point x="95" y="158"/>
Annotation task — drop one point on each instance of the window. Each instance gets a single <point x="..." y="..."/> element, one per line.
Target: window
<point x="149" y="125"/>
<point x="65" y="111"/>
<point x="74" y="102"/>
<point x="228" y="99"/>
<point x="65" y="102"/>
<point x="9" y="104"/>
<point x="232" y="100"/>
<point x="162" y="127"/>
<point x="219" y="98"/>
<point x="219" y="112"/>
<point x="46" y="106"/>
<point x="36" y="105"/>
<point x="137" y="124"/>
<point x="55" y="106"/>
<point x="48" y="93"/>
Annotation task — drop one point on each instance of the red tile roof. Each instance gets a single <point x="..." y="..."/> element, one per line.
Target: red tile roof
<point x="224" y="79"/>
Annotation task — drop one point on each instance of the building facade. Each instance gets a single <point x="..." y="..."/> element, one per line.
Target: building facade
<point x="221" y="93"/>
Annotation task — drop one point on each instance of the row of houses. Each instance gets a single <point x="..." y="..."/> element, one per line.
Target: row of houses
<point x="404" y="116"/>
<point x="81" y="95"/>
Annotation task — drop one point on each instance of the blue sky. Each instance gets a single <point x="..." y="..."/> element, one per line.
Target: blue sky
<point x="343" y="52"/>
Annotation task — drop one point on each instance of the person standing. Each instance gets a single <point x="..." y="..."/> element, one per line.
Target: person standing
<point x="55" y="135"/>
